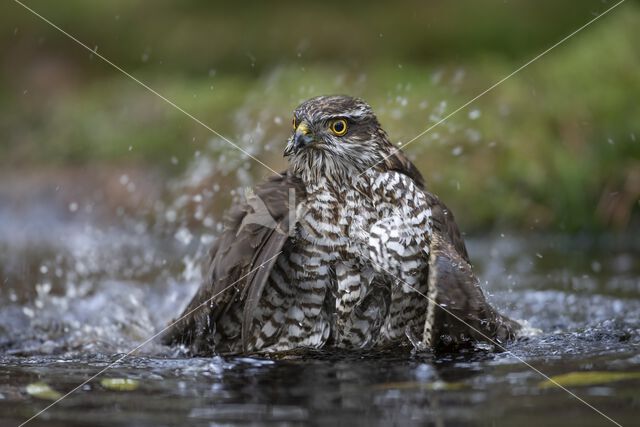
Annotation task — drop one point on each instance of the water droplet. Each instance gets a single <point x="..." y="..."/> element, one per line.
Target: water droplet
<point x="184" y="236"/>
<point x="459" y="75"/>
<point x="402" y="101"/>
<point x="170" y="215"/>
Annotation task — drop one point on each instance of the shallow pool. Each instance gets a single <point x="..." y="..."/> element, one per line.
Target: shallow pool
<point x="77" y="296"/>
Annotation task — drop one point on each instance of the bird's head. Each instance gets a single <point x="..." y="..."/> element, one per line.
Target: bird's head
<point x="335" y="136"/>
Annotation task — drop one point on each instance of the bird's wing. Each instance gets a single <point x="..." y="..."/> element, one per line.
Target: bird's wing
<point x="461" y="314"/>
<point x="399" y="162"/>
<point x="241" y="258"/>
<point x="442" y="221"/>
<point x="442" y="217"/>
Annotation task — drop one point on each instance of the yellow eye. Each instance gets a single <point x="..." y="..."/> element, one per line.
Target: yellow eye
<point x="339" y="127"/>
<point x="294" y="123"/>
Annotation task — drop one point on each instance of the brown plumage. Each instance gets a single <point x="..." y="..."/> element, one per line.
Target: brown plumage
<point x="358" y="254"/>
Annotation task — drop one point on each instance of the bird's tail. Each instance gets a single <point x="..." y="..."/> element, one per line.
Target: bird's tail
<point x="458" y="314"/>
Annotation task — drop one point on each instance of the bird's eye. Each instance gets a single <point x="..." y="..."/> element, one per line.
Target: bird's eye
<point x="339" y="127"/>
<point x="294" y="123"/>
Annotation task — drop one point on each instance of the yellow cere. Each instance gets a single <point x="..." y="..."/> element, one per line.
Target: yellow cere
<point x="303" y="128"/>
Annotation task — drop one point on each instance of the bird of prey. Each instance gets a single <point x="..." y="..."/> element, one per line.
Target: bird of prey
<point x="346" y="249"/>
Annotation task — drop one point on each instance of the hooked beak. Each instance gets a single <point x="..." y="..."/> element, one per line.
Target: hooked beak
<point x="300" y="139"/>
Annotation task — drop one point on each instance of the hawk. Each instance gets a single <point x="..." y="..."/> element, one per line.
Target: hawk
<point x="355" y="253"/>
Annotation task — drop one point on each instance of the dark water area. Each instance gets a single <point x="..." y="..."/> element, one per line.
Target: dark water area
<point x="76" y="295"/>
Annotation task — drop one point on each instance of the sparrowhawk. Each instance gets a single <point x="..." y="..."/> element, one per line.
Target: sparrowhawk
<point x="356" y="253"/>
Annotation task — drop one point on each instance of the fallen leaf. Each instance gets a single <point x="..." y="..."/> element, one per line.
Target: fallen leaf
<point x="119" y="384"/>
<point x="43" y="391"/>
<point x="586" y="378"/>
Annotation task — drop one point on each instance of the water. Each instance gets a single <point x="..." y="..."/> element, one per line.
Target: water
<point x="78" y="292"/>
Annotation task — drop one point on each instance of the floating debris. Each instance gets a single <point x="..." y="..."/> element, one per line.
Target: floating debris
<point x="578" y="379"/>
<point x="119" y="384"/>
<point x="43" y="391"/>
<point x="411" y="385"/>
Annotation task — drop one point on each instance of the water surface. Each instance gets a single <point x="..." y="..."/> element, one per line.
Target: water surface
<point x="78" y="293"/>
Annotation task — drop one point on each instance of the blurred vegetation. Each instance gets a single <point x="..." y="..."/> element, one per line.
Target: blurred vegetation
<point x="555" y="147"/>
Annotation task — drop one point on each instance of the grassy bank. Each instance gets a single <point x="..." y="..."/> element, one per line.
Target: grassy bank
<point x="555" y="147"/>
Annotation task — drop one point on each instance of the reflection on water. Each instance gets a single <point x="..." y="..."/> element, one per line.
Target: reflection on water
<point x="76" y="293"/>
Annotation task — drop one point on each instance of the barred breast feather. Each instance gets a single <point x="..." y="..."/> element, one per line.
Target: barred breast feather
<point x="369" y="264"/>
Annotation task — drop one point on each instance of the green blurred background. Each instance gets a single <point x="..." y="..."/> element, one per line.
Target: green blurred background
<point x="556" y="147"/>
